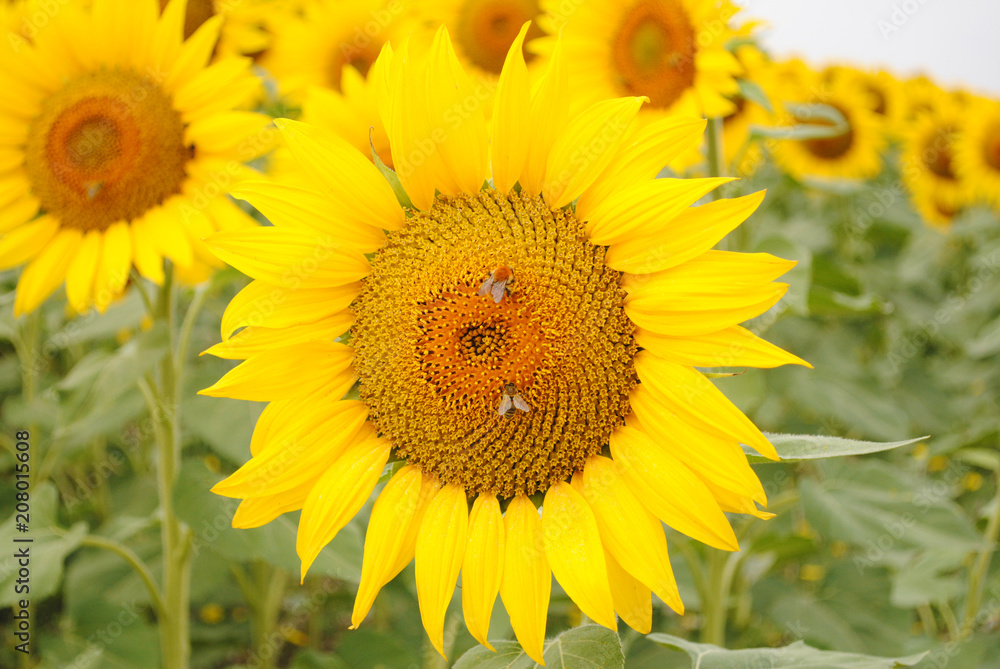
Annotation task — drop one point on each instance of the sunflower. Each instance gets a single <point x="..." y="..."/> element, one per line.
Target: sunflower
<point x="495" y="329"/>
<point x="315" y="47"/>
<point x="482" y="30"/>
<point x="744" y="155"/>
<point x="855" y="154"/>
<point x="669" y="51"/>
<point x="977" y="151"/>
<point x="928" y="163"/>
<point x="117" y="145"/>
<point x="246" y="25"/>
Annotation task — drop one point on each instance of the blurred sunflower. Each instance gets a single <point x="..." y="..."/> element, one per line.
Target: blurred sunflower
<point x="672" y="52"/>
<point x="246" y="23"/>
<point x="117" y="146"/>
<point x="315" y="46"/>
<point x="928" y="164"/>
<point x="977" y="151"/>
<point x="855" y="154"/>
<point x="743" y="156"/>
<point x="884" y="95"/>
<point x="495" y="329"/>
<point x="482" y="30"/>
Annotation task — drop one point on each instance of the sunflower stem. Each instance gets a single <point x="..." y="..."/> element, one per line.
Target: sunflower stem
<point x="715" y="607"/>
<point x="716" y="166"/>
<point x="974" y="597"/>
<point x="175" y="536"/>
<point x="134" y="561"/>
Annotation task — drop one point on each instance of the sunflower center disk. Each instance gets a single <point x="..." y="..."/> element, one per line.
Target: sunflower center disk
<point x="654" y="51"/>
<point x="105" y="148"/>
<point x="991" y="147"/>
<point x="937" y="154"/>
<point x="436" y="359"/>
<point x="486" y="28"/>
<point x="829" y="148"/>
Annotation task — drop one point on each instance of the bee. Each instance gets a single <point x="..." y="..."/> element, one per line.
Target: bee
<point x="496" y="283"/>
<point x="512" y="397"/>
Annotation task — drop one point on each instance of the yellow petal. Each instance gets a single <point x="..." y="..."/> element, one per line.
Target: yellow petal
<point x="349" y="178"/>
<point x="298" y="449"/>
<point x="261" y="304"/>
<point x="549" y="117"/>
<point x="669" y="489"/>
<point x="511" y="105"/>
<point x="440" y="550"/>
<point x="483" y="566"/>
<point x="338" y="495"/>
<point x="115" y="265"/>
<point x="194" y="54"/>
<point x="683" y="237"/>
<point x="81" y="272"/>
<point x="257" y="511"/>
<point x="27" y="241"/>
<point x="225" y="131"/>
<point x="646" y="209"/>
<point x="629" y="531"/>
<point x="306" y="208"/>
<point x="147" y="258"/>
<point x="574" y="550"/>
<point x="526" y="583"/>
<point x="693" y="397"/>
<point x="645" y="154"/>
<point x="289" y="257"/>
<point x="633" y="601"/>
<point x="585" y="147"/>
<point x="392" y="514"/>
<point x="711" y="457"/>
<point x="733" y="347"/>
<point x="162" y="224"/>
<point x="428" y="491"/>
<point x="287" y="372"/>
<point x="253" y="340"/>
<point x="44" y="274"/>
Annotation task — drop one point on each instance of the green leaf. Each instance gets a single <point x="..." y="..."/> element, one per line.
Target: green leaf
<point x="796" y="656"/>
<point x="585" y="647"/>
<point x="46" y="552"/>
<point x="792" y="447"/>
<point x="752" y="91"/>
<point x="822" y="122"/>
<point x="391" y="177"/>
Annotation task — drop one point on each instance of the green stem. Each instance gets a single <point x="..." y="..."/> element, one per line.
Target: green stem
<point x="715" y="154"/>
<point x="175" y="536"/>
<point x="133" y="561"/>
<point x="263" y="594"/>
<point x="977" y="576"/>
<point x="714" y="606"/>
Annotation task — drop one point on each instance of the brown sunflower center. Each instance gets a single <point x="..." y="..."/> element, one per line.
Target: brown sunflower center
<point x="938" y="154"/>
<point x="198" y="11"/>
<point x="485" y="29"/>
<point x="361" y="58"/>
<point x="107" y="147"/>
<point x="991" y="147"/>
<point x="438" y="356"/>
<point x="653" y="51"/>
<point x="878" y="100"/>
<point x="829" y="148"/>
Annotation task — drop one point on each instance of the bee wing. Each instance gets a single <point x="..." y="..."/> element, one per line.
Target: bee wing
<point x="505" y="404"/>
<point x="521" y="404"/>
<point x="497" y="290"/>
<point x="486" y="287"/>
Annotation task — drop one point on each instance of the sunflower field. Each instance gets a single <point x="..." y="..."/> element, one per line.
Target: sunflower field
<point x="363" y="334"/>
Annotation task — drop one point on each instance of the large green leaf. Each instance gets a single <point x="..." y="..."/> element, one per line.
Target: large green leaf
<point x="586" y="647"/>
<point x="796" y="656"/>
<point x="792" y="447"/>
<point x="47" y="549"/>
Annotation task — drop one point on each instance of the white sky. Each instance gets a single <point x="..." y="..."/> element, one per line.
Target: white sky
<point x="957" y="42"/>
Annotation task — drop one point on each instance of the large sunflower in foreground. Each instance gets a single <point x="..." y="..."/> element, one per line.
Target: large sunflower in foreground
<point x="672" y="52"/>
<point x="117" y="146"/>
<point x="526" y="333"/>
<point x="854" y="154"/>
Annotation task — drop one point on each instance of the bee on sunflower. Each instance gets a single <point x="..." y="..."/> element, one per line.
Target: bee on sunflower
<point x="118" y="144"/>
<point x="522" y="334"/>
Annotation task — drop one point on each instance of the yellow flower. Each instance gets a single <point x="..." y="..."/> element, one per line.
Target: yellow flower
<point x="928" y="163"/>
<point x="855" y="154"/>
<point x="743" y="155"/>
<point x="481" y="30"/>
<point x="670" y="51"/>
<point x="495" y="330"/>
<point x="117" y="146"/>
<point x="246" y="26"/>
<point x="314" y="48"/>
<point x="977" y="151"/>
